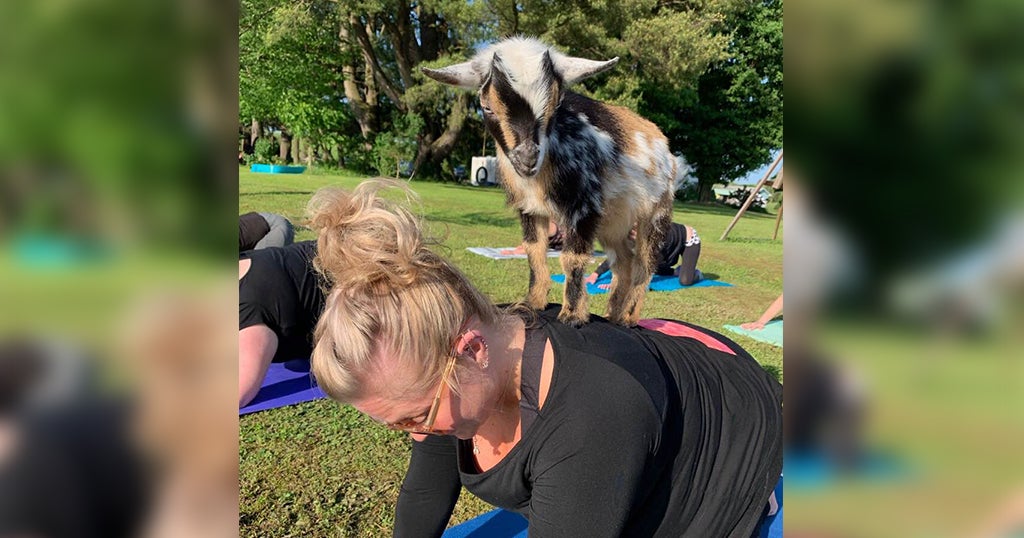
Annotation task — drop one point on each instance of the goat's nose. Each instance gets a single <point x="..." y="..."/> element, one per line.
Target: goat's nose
<point x="527" y="155"/>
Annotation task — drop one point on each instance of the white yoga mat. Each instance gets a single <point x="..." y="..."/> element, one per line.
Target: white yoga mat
<point x="494" y="253"/>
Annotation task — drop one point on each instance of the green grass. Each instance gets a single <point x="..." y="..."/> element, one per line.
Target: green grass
<point x="320" y="469"/>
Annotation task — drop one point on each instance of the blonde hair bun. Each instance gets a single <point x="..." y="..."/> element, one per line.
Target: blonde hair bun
<point x="364" y="239"/>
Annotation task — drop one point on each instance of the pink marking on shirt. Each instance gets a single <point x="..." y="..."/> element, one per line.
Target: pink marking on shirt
<point x="672" y="328"/>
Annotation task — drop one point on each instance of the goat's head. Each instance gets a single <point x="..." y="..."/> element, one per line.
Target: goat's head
<point x="521" y="82"/>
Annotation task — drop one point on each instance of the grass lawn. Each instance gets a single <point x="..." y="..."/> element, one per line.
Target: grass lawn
<point x="320" y="469"/>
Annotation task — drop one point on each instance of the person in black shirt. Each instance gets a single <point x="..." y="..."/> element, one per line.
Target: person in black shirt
<point x="681" y="243"/>
<point x="665" y="429"/>
<point x="279" y="302"/>
<point x="263" y="230"/>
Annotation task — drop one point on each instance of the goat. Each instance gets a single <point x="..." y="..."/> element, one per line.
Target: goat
<point x="595" y="168"/>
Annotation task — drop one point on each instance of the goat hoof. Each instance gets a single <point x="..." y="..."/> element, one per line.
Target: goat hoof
<point x="536" y="304"/>
<point x="573" y="319"/>
<point x="625" y="321"/>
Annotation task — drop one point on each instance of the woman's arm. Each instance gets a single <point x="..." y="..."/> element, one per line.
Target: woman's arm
<point x="430" y="489"/>
<point x="256" y="347"/>
<point x="774" y="309"/>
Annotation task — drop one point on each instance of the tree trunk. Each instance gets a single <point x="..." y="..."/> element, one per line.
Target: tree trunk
<point x="428" y="35"/>
<point x="362" y="35"/>
<point x="364" y="113"/>
<point x="286" y="143"/>
<point x="438" y="149"/>
<point x="401" y="31"/>
<point x="256" y="132"/>
<point x="705" y="191"/>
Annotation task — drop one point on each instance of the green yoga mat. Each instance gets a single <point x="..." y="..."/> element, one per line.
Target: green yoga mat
<point x="770" y="334"/>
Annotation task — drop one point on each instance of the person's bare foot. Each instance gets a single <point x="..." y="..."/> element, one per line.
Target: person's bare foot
<point x="753" y="326"/>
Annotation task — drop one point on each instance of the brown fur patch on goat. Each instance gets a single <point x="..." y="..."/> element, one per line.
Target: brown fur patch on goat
<point x="631" y="123"/>
<point x="499" y="109"/>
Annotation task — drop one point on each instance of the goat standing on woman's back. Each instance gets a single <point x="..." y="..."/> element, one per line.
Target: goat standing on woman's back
<point x="596" y="169"/>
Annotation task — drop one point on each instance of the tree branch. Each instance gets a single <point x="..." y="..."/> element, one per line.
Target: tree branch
<point x="371" y="61"/>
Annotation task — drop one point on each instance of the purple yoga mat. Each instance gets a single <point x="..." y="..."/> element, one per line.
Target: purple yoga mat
<point x="286" y="383"/>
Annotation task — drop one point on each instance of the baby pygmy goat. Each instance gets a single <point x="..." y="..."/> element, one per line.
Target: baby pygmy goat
<point x="595" y="168"/>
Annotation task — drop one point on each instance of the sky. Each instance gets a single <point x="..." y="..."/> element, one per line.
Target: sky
<point x="755" y="176"/>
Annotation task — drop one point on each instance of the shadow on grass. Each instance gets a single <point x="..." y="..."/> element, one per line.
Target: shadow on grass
<point x="718" y="209"/>
<point x="265" y="193"/>
<point x="477" y="219"/>
<point x="468" y="187"/>
<point x="752" y="240"/>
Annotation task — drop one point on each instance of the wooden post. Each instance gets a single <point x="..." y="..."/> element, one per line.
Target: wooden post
<point x="750" y="198"/>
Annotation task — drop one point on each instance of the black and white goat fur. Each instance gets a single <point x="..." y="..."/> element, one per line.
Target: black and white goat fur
<point x="595" y="168"/>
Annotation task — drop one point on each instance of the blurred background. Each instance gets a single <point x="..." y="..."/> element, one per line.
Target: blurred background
<point x="117" y="229"/>
<point x="904" y="266"/>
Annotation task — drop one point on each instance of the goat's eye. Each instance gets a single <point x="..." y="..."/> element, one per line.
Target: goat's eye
<point x="487" y="109"/>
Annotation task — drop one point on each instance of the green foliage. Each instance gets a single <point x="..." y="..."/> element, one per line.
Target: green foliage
<point x="91" y="101"/>
<point x="355" y="156"/>
<point x="265" y="150"/>
<point x="290" y="69"/>
<point x="393" y="147"/>
<point x="687" y="193"/>
<point x="728" y="124"/>
<point x="774" y="202"/>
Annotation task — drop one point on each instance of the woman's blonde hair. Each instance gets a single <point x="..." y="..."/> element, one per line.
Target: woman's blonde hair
<point x="387" y="291"/>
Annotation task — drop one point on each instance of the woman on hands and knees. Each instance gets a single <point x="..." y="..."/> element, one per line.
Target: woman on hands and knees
<point x="596" y="431"/>
<point x="681" y="244"/>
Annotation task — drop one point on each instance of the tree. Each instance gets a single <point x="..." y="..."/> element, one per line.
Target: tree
<point x="732" y="120"/>
<point x="290" y="71"/>
<point x="384" y="42"/>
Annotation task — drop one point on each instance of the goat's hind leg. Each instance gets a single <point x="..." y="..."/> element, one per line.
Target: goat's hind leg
<point x="649" y="235"/>
<point x="576" y="254"/>
<point x="535" y="241"/>
<point x="620" y="254"/>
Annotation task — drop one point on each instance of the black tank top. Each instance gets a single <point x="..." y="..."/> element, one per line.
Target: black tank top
<point x="281" y="290"/>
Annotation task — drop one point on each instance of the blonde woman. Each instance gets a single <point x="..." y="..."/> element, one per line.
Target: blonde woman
<point x="594" y="431"/>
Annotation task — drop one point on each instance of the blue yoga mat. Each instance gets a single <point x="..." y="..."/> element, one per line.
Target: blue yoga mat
<point x="658" y="283"/>
<point x="770" y="334"/>
<point x="286" y="383"/>
<point x="813" y="470"/>
<point x="504" y="524"/>
<point x="494" y="524"/>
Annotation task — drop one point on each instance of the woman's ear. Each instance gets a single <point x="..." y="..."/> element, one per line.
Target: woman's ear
<point x="473" y="343"/>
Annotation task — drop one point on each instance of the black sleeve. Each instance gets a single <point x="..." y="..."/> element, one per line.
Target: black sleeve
<point x="251" y="228"/>
<point x="583" y="486"/>
<point x="603" y="268"/>
<point x="250" y="313"/>
<point x="430" y="490"/>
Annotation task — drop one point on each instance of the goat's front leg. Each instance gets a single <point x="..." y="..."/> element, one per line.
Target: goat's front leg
<point x="576" y="254"/>
<point x="535" y="242"/>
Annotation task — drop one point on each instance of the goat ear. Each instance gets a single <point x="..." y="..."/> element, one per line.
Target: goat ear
<point x="498" y="67"/>
<point x="574" y="70"/>
<point x="462" y="75"/>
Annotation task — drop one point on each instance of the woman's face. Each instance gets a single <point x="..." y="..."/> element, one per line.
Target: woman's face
<point x="457" y="414"/>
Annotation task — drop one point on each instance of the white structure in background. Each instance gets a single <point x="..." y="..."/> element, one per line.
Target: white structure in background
<point x="483" y="171"/>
